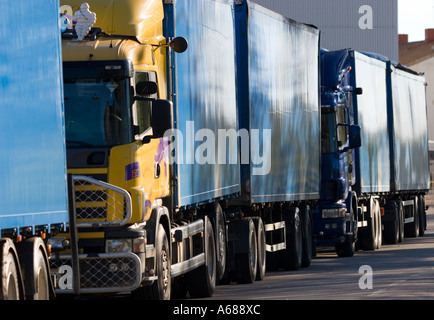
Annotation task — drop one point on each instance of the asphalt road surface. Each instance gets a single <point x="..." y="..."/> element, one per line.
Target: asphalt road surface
<point x="402" y="271"/>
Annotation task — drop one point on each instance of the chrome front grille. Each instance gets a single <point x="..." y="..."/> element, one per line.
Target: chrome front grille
<point x="107" y="272"/>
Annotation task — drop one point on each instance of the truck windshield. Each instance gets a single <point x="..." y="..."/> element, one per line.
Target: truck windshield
<point x="97" y="113"/>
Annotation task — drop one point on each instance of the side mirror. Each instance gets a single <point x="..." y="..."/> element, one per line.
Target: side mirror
<point x="162" y="117"/>
<point x="146" y="88"/>
<point x="359" y="91"/>
<point x="355" y="140"/>
<point x="179" y="44"/>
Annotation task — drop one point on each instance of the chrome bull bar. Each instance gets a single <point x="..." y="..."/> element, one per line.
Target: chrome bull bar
<point x="95" y="204"/>
<point x="99" y="204"/>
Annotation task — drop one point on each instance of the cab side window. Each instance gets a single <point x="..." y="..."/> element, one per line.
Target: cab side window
<point x="143" y="108"/>
<point x="342" y="130"/>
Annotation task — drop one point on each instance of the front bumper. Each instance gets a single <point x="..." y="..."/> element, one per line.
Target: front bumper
<point x="98" y="273"/>
<point x="330" y="231"/>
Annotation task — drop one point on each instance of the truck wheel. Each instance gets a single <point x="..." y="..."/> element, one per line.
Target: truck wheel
<point x="292" y="255"/>
<point x="161" y="288"/>
<point x="411" y="229"/>
<point x="422" y="216"/>
<point x="306" y="257"/>
<point x="202" y="281"/>
<point x="42" y="278"/>
<point x="220" y="241"/>
<point x="34" y="263"/>
<point x="401" y="221"/>
<point x="260" y="234"/>
<point x="391" y="228"/>
<point x="179" y="288"/>
<point x="247" y="262"/>
<point x="10" y="272"/>
<point x="348" y="247"/>
<point x="378" y="224"/>
<point x="368" y="234"/>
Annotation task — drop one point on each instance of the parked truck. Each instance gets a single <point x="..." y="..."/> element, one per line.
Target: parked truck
<point x="375" y="167"/>
<point x="192" y="144"/>
<point x="33" y="186"/>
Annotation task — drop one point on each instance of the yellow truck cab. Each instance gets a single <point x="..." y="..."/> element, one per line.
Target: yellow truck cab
<point x="115" y="87"/>
<point x="100" y="75"/>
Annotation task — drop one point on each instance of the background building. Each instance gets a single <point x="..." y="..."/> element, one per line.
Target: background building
<point x="363" y="25"/>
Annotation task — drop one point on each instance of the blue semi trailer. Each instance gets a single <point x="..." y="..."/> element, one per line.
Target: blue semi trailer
<point x="278" y="94"/>
<point x="266" y="121"/>
<point x="263" y="174"/>
<point x="375" y="167"/>
<point x="33" y="184"/>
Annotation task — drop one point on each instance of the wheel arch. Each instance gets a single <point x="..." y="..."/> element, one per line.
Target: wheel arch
<point x="159" y="215"/>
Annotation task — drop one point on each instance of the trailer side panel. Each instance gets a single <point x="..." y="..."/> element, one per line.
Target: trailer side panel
<point x="409" y="135"/>
<point x="206" y="163"/>
<point x="280" y="107"/>
<point x="373" y="157"/>
<point x="32" y="140"/>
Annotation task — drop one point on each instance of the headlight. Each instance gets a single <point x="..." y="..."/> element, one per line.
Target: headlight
<point x="136" y="245"/>
<point x="58" y="243"/>
<point x="118" y="245"/>
<point x="334" y="213"/>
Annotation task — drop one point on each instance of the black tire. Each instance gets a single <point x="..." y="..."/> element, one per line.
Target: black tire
<point x="10" y="272"/>
<point x="368" y="235"/>
<point x="220" y="241"/>
<point x="391" y="228"/>
<point x="401" y="221"/>
<point x="378" y="224"/>
<point x="411" y="229"/>
<point x="202" y="281"/>
<point x="422" y="216"/>
<point x="179" y="288"/>
<point x="348" y="247"/>
<point x="247" y="262"/>
<point x="34" y="264"/>
<point x="261" y="254"/>
<point x="307" y="242"/>
<point x="161" y="288"/>
<point x="292" y="255"/>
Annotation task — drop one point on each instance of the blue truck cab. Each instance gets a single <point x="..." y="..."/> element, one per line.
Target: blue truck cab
<point x="335" y="223"/>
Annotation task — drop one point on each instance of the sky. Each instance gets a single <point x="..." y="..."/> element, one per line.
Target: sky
<point x="414" y="16"/>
